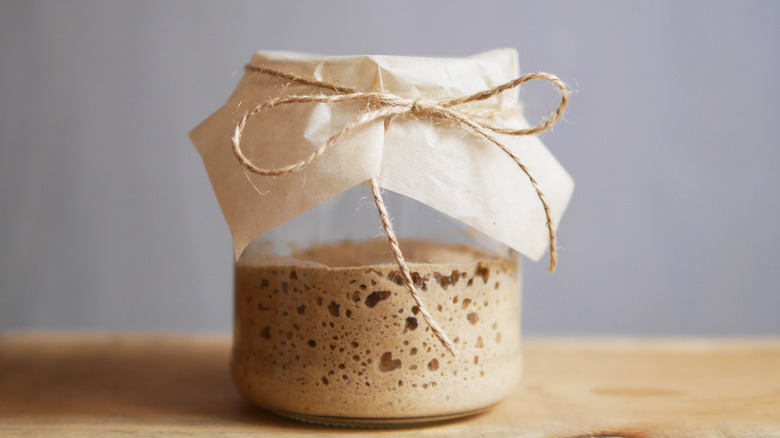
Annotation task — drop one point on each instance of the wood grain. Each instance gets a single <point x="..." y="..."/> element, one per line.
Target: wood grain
<point x="149" y="385"/>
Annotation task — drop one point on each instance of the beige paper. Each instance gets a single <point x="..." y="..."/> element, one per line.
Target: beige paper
<point x="448" y="168"/>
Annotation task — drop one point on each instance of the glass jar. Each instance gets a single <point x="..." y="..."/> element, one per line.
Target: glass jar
<point x="325" y="330"/>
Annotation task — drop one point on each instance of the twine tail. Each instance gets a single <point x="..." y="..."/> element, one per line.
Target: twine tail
<point x="406" y="274"/>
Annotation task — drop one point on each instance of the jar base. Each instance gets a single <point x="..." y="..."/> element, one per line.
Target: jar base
<point x="377" y="423"/>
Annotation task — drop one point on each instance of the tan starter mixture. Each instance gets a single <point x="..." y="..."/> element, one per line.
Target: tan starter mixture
<point x="333" y="332"/>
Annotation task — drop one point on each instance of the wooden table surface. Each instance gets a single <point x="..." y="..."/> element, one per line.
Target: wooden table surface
<point x="150" y="385"/>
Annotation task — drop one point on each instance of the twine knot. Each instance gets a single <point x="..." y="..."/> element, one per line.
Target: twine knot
<point x="417" y="107"/>
<point x="386" y="106"/>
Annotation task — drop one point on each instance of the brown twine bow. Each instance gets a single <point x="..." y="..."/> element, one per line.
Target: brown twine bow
<point x="382" y="105"/>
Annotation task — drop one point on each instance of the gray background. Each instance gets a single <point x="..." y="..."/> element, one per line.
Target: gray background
<point x="108" y="221"/>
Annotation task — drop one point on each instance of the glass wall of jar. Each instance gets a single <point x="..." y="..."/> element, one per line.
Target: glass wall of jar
<point x="326" y="330"/>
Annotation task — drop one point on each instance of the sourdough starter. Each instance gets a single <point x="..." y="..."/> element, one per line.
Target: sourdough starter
<point x="333" y="332"/>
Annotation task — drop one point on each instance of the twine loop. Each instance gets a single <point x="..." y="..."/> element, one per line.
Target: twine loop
<point x="386" y="106"/>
